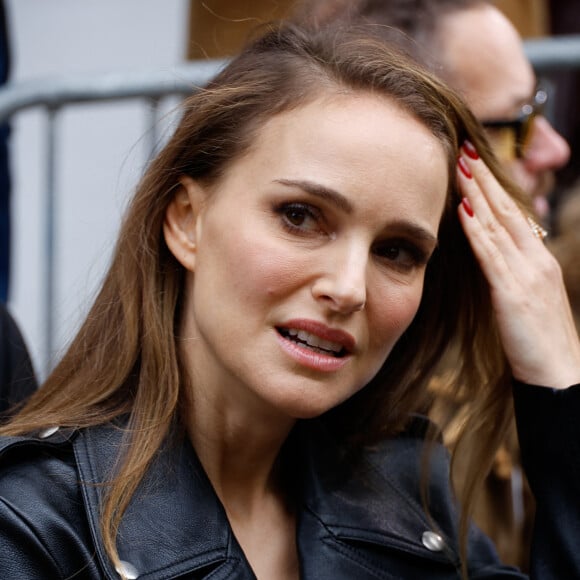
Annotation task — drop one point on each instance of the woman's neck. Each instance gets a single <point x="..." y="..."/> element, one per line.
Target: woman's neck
<point x="240" y="457"/>
<point x="238" y="445"/>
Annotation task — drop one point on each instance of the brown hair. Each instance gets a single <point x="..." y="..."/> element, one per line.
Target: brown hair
<point x="412" y="25"/>
<point x="124" y="359"/>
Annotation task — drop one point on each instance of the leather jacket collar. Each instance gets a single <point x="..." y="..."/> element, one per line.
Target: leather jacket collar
<point x="176" y="525"/>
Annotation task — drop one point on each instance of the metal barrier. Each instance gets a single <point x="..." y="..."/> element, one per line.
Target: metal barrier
<point x="54" y="93"/>
<point x="555" y="53"/>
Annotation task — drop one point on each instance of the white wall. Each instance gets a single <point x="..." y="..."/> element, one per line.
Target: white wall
<point x="100" y="155"/>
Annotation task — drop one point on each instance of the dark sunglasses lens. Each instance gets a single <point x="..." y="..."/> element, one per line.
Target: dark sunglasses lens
<point x="523" y="134"/>
<point x="529" y="114"/>
<point x="511" y="138"/>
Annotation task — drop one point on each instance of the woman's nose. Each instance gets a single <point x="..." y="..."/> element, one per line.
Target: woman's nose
<point x="548" y="150"/>
<point x="342" y="286"/>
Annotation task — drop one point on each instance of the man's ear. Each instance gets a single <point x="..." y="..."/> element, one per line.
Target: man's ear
<point x="182" y="224"/>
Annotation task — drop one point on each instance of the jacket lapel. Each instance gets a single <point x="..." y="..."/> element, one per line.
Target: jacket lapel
<point x="372" y="516"/>
<point x="175" y="525"/>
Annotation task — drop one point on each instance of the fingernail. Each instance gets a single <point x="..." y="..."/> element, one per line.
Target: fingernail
<point x="463" y="166"/>
<point x="467" y="207"/>
<point x="470" y="150"/>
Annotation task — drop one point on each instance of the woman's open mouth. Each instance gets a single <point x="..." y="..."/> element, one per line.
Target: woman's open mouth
<point x="313" y="342"/>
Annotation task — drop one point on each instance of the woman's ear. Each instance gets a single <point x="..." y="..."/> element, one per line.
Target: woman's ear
<point x="182" y="224"/>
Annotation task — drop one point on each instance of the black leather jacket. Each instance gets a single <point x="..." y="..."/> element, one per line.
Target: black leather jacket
<point x="363" y="525"/>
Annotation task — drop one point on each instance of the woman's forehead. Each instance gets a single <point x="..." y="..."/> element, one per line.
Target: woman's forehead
<point x="359" y="144"/>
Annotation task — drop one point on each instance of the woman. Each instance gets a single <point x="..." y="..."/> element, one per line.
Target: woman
<point x="241" y="400"/>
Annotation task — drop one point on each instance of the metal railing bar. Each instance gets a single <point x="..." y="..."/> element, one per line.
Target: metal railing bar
<point x="554" y="53"/>
<point x="152" y="122"/>
<point x="549" y="53"/>
<point x="48" y="288"/>
<point x="53" y="91"/>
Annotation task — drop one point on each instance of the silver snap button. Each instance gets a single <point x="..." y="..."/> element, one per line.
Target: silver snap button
<point x="127" y="570"/>
<point x="432" y="541"/>
<point x="45" y="433"/>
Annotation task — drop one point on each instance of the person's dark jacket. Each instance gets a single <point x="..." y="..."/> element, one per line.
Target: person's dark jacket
<point x="365" y="524"/>
<point x="17" y="379"/>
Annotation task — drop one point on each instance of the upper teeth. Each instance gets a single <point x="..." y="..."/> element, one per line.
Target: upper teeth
<point x="315" y="341"/>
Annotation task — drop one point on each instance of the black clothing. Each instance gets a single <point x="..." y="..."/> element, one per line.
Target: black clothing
<point x="366" y="524"/>
<point x="549" y="434"/>
<point x="17" y="379"/>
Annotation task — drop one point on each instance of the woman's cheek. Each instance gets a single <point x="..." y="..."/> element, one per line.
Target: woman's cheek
<point x="271" y="271"/>
<point x="394" y="314"/>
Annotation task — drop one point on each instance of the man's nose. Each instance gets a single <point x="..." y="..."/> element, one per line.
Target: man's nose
<point x="547" y="150"/>
<point x="342" y="286"/>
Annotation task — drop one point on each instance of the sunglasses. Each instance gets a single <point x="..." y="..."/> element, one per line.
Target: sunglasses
<point x="511" y="137"/>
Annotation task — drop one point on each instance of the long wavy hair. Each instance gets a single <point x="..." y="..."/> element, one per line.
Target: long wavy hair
<point x="124" y="360"/>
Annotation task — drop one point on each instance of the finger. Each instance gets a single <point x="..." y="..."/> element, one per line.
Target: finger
<point x="492" y="261"/>
<point x="496" y="206"/>
<point x="476" y="185"/>
<point x="492" y="236"/>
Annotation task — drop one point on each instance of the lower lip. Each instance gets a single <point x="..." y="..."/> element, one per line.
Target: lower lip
<point x="311" y="359"/>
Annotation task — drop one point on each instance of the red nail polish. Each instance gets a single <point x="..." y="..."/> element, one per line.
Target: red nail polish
<point x="470" y="150"/>
<point x="463" y="166"/>
<point x="467" y="207"/>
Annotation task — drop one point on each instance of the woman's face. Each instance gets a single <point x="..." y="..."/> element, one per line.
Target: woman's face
<point x="307" y="258"/>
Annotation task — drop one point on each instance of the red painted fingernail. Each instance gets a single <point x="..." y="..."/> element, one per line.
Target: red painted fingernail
<point x="467" y="207"/>
<point x="463" y="166"/>
<point x="470" y="150"/>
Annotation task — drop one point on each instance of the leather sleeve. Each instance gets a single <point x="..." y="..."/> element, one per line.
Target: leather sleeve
<point x="548" y="422"/>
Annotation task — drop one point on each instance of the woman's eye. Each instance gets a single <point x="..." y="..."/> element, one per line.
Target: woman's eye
<point x="296" y="216"/>
<point x="401" y="253"/>
<point x="300" y="217"/>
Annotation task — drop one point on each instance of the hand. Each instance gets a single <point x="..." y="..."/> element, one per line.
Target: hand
<point x="527" y="290"/>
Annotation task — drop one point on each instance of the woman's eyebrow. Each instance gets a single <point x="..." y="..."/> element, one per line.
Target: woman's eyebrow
<point x="343" y="203"/>
<point x="415" y="231"/>
<point x="320" y="191"/>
